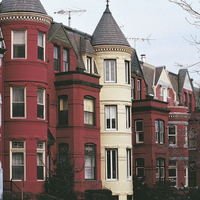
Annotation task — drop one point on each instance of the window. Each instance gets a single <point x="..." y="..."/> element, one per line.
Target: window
<point x="139" y="167"/>
<point x="139" y="131"/>
<point x="127" y="72"/>
<point x="18" y="102"/>
<point x="185" y="136"/>
<point x="111" y="117"/>
<point x="115" y="197"/>
<point x="41" y="39"/>
<point x="111" y="164"/>
<point x="173" y="172"/>
<point x="160" y="169"/>
<point x="192" y="139"/>
<point x="128" y="118"/>
<point x="164" y="94"/>
<point x="132" y="88"/>
<point x="19" y="44"/>
<point x="90" y="162"/>
<point x="89" y="64"/>
<point x="190" y="103"/>
<point x="172" y="135"/>
<point x="192" y="174"/>
<point x="40" y="103"/>
<point x="128" y="163"/>
<point x="56" y="55"/>
<point x="185" y="99"/>
<point x="129" y="197"/>
<point x="63" y="110"/>
<point x="40" y="160"/>
<point x="110" y="71"/>
<point x="63" y="150"/>
<point x="65" y="60"/>
<point x="186" y="175"/>
<point x="17" y="160"/>
<point x="89" y="111"/>
<point x="159" y="131"/>
<point x="139" y="89"/>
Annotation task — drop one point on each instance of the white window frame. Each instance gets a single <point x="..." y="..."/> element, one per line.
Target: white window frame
<point x="41" y="151"/>
<point x="127" y="72"/>
<point x="66" y="62"/>
<point x="111" y="113"/>
<point x="173" y="166"/>
<point x="88" y="64"/>
<point x="108" y="70"/>
<point x="172" y="135"/>
<point x="18" y="150"/>
<point x="139" y="89"/>
<point x="128" y="164"/>
<point x="186" y="176"/>
<point x="138" y="132"/>
<point x="128" y="118"/>
<point x="42" y="104"/>
<point x="11" y="102"/>
<point x="132" y="88"/>
<point x="159" y="134"/>
<point x="43" y="44"/>
<point x="112" y="178"/>
<point x="12" y="43"/>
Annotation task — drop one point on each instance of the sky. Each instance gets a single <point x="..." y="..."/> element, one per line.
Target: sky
<point x="162" y="22"/>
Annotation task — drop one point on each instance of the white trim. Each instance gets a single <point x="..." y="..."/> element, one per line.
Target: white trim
<point x="43" y="157"/>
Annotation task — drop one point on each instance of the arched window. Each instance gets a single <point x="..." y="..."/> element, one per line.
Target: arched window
<point x="90" y="161"/>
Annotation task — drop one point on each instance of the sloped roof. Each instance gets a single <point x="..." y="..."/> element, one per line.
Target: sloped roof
<point x="174" y="80"/>
<point x="135" y="65"/>
<point x="149" y="77"/>
<point x="158" y="72"/>
<point x="181" y="78"/>
<point x="108" y="32"/>
<point x="22" y="6"/>
<point x="86" y="46"/>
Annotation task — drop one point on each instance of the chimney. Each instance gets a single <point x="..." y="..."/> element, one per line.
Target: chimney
<point x="143" y="58"/>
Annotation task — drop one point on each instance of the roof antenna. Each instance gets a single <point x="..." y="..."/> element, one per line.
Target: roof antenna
<point x="107" y="3"/>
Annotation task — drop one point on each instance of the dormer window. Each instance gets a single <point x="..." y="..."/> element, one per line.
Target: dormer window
<point x="89" y="64"/>
<point x="18" y="44"/>
<point x="65" y="60"/>
<point x="56" y="56"/>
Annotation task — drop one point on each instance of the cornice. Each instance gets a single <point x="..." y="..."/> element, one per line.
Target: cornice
<point x="27" y="16"/>
<point x="179" y="115"/>
<point x="115" y="48"/>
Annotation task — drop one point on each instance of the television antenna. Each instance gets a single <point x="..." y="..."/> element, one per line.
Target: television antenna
<point x="141" y="39"/>
<point x="69" y="12"/>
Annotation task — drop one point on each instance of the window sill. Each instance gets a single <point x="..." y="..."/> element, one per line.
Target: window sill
<point x="173" y="146"/>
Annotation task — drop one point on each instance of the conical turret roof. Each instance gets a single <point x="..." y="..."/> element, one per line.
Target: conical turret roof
<point x="108" y="32"/>
<point x="22" y="6"/>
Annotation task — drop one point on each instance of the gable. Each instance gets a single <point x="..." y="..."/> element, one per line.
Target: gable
<point x="61" y="35"/>
<point x="187" y="84"/>
<point x="164" y="79"/>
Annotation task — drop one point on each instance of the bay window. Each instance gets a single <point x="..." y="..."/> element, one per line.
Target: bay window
<point x="41" y="43"/>
<point x="63" y="110"/>
<point x="111" y="117"/>
<point x="40" y="160"/>
<point x="17" y="151"/>
<point x="89" y="110"/>
<point x="18" y="102"/>
<point x="111" y="164"/>
<point x="40" y="103"/>
<point x="19" y="44"/>
<point x="159" y="131"/>
<point x="90" y="161"/>
<point x="110" y="71"/>
<point x="139" y="132"/>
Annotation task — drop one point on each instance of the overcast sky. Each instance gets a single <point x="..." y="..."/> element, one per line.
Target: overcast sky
<point x="163" y="21"/>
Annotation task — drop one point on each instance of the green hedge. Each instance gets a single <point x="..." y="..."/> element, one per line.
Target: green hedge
<point x="104" y="194"/>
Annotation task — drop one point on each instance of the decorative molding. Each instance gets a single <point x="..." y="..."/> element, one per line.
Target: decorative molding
<point x="28" y="16"/>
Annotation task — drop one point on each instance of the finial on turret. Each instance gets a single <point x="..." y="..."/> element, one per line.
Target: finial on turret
<point x="107" y="3"/>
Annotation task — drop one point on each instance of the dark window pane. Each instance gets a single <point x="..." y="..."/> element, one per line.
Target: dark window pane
<point x="18" y="110"/>
<point x="63" y="117"/>
<point x="40" y="111"/>
<point x="108" y="123"/>
<point x="141" y="136"/>
<point x="40" y="173"/>
<point x="17" y="172"/>
<point x="113" y="123"/>
<point x="19" y="51"/>
<point x="56" y="65"/>
<point x="108" y="165"/>
<point x="114" y="162"/>
<point x="40" y="53"/>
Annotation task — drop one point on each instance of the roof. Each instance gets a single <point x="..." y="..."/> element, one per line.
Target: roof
<point x="174" y="80"/>
<point x="108" y="32"/>
<point x="22" y="6"/>
<point x="135" y="65"/>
